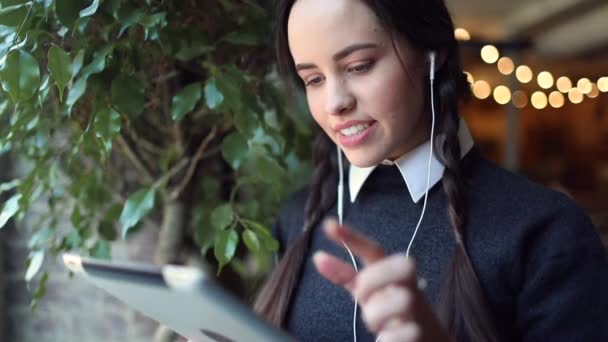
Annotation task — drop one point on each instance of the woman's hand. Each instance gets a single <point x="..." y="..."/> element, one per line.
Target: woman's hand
<point x="392" y="306"/>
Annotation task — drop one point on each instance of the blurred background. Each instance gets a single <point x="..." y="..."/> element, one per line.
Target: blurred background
<point x="538" y="70"/>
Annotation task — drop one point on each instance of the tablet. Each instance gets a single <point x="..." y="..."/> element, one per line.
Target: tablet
<point x="185" y="299"/>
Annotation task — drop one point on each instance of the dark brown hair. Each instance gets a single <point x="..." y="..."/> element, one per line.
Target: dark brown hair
<point x="427" y="25"/>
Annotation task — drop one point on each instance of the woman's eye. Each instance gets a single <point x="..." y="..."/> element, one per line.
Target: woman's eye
<point x="314" y="82"/>
<point x="360" y="67"/>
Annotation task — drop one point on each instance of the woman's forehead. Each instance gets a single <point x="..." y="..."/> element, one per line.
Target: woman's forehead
<point x="322" y="27"/>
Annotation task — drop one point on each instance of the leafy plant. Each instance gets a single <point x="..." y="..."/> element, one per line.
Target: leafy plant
<point x="165" y="111"/>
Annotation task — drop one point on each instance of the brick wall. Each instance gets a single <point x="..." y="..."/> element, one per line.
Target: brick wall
<point x="72" y="309"/>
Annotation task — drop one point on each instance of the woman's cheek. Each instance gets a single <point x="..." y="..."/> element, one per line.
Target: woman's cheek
<point x="315" y="105"/>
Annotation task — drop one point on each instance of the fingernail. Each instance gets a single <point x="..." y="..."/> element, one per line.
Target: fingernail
<point x="318" y="256"/>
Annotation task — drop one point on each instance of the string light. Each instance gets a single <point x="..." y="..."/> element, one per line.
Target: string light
<point x="584" y="85"/>
<point x="539" y="100"/>
<point x="470" y="78"/>
<point x="564" y="84"/>
<point x="595" y="92"/>
<point x="556" y="99"/>
<point x="462" y="34"/>
<point x="520" y="99"/>
<point x="502" y="95"/>
<point x="545" y="80"/>
<point x="481" y="89"/>
<point x="524" y="74"/>
<point x="575" y="96"/>
<point x="490" y="54"/>
<point x="506" y="66"/>
<point x="602" y="84"/>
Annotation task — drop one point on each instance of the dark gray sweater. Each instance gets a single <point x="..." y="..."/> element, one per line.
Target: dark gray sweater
<point x="540" y="262"/>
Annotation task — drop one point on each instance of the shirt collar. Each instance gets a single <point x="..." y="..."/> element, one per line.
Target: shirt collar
<point x="412" y="166"/>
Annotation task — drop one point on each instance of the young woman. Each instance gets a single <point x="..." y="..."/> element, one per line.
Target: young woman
<point x="498" y="258"/>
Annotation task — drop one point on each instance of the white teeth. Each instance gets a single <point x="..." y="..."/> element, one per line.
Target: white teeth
<point x="354" y="129"/>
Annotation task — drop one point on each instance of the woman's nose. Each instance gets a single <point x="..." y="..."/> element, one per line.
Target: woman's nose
<point x="339" y="99"/>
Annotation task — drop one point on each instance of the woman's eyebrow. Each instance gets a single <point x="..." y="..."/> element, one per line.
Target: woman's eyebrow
<point x="340" y="54"/>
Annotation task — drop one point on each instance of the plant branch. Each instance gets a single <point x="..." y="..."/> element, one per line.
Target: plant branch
<point x="197" y="156"/>
<point x="130" y="154"/>
<point x="144" y="144"/>
<point x="172" y="172"/>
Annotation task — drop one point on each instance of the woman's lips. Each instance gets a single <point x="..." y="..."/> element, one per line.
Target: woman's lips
<point x="360" y="137"/>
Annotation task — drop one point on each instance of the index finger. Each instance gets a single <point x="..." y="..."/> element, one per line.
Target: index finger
<point x="367" y="249"/>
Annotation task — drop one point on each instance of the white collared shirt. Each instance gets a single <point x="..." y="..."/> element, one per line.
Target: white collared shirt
<point x="413" y="167"/>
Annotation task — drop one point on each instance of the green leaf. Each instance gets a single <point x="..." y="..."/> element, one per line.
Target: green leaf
<point x="60" y="66"/>
<point x="77" y="91"/>
<point x="127" y="94"/>
<point x="107" y="231"/>
<point x="213" y="97"/>
<point x="129" y="17"/>
<point x="222" y="216"/>
<point x="185" y="101"/>
<point x="113" y="213"/>
<point x="107" y="127"/>
<point x="14" y="15"/>
<point x="251" y="241"/>
<point x="68" y="11"/>
<point x="137" y="206"/>
<point x="9" y="186"/>
<point x="268" y="169"/>
<point x="96" y="66"/>
<point x="73" y="240"/>
<point x="90" y="10"/>
<point x="77" y="63"/>
<point x="205" y="236"/>
<point x="235" y="149"/>
<point x="267" y="240"/>
<point x="41" y="238"/>
<point x="11" y="207"/>
<point x="225" y="247"/>
<point x="34" y="263"/>
<point x="20" y="75"/>
<point x="246" y="121"/>
<point x="101" y="250"/>
<point x="40" y="291"/>
<point x="241" y="38"/>
<point x="76" y="217"/>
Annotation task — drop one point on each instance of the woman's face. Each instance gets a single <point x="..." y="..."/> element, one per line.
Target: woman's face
<point x="368" y="97"/>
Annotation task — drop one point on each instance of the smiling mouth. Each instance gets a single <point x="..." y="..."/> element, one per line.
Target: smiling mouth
<point x="357" y="134"/>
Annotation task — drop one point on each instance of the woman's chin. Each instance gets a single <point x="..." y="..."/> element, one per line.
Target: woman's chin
<point x="362" y="159"/>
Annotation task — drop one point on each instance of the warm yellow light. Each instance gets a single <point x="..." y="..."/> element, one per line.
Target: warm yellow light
<point x="556" y="99"/>
<point x="462" y="34"/>
<point x="520" y="99"/>
<point x="506" y="66"/>
<point x="564" y="84"/>
<point x="602" y="84"/>
<point x="470" y="78"/>
<point x="502" y="95"/>
<point x="490" y="54"/>
<point x="575" y="96"/>
<point x="584" y="85"/>
<point x="595" y="92"/>
<point x="524" y="74"/>
<point x="539" y="100"/>
<point x="481" y="89"/>
<point x="545" y="80"/>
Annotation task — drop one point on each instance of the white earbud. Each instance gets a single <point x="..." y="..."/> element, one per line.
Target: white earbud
<point x="432" y="55"/>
